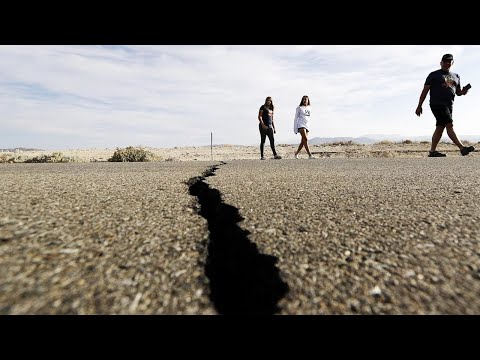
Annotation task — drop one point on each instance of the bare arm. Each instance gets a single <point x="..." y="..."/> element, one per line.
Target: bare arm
<point x="423" y="95"/>
<point x="260" y="118"/>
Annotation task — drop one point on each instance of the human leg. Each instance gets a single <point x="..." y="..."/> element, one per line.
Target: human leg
<point x="453" y="136"/>
<point x="263" y="136"/>
<point x="299" y="147"/>
<point x="304" y="133"/>
<point x="437" y="135"/>
<point x="464" y="150"/>
<point x="272" y="141"/>
<point x="443" y="117"/>
<point x="301" y="142"/>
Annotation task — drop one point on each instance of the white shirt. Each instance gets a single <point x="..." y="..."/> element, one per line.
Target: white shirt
<point x="302" y="118"/>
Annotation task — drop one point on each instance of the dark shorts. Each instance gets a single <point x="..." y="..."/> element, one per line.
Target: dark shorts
<point x="302" y="128"/>
<point x="443" y="114"/>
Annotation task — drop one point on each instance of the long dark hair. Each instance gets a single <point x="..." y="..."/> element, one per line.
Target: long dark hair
<point x="308" y="100"/>
<point x="271" y="103"/>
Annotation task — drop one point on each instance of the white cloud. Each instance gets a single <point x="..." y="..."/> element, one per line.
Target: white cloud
<point x="108" y="96"/>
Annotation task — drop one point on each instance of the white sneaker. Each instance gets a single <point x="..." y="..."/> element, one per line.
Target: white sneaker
<point x="312" y="157"/>
<point x="295" y="156"/>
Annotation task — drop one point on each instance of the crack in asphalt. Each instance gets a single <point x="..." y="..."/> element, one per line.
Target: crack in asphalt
<point x="242" y="281"/>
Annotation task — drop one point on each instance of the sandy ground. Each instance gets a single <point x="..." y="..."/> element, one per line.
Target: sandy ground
<point x="238" y="152"/>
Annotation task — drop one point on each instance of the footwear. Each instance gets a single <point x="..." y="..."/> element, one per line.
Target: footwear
<point x="436" y="154"/>
<point x="277" y="157"/>
<point x="466" y="150"/>
<point x="312" y="157"/>
<point x="262" y="158"/>
<point x="295" y="156"/>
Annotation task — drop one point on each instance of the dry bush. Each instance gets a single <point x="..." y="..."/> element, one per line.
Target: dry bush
<point x="384" y="142"/>
<point x="407" y="141"/>
<point x="384" y="154"/>
<point x="132" y="154"/>
<point x="424" y="142"/>
<point x="341" y="143"/>
<point x="10" y="158"/>
<point x="55" y="157"/>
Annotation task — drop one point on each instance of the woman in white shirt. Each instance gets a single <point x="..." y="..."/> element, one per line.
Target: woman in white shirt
<point x="301" y="123"/>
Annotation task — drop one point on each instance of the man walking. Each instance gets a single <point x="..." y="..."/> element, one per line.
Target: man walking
<point x="443" y="86"/>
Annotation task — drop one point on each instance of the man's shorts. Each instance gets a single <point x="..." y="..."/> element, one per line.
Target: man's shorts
<point x="443" y="114"/>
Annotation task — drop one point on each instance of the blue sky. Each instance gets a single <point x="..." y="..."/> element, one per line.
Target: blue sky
<point x="80" y="97"/>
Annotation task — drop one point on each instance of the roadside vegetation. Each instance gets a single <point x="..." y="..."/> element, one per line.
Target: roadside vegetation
<point x="133" y="154"/>
<point x="55" y="157"/>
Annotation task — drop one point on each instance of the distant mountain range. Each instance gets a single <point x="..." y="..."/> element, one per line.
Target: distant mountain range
<point x="372" y="139"/>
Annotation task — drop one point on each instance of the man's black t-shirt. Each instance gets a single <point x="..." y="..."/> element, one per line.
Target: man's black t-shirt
<point x="443" y="87"/>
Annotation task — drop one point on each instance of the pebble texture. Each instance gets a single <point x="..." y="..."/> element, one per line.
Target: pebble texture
<point x="365" y="236"/>
<point x="101" y="238"/>
<point x="351" y="236"/>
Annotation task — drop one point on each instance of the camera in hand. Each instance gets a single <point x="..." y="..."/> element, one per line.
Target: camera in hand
<point x="467" y="87"/>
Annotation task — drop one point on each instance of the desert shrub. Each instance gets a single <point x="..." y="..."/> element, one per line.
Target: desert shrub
<point x="132" y="154"/>
<point x="384" y="142"/>
<point x="407" y="141"/>
<point x="384" y="154"/>
<point x="341" y="143"/>
<point x="55" y="157"/>
<point x="338" y="143"/>
<point x="424" y="142"/>
<point x="10" y="158"/>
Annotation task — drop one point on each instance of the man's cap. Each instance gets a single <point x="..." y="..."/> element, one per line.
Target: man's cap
<point x="447" y="57"/>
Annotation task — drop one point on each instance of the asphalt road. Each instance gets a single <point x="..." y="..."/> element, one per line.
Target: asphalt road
<point x="322" y="236"/>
